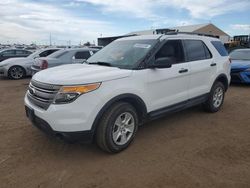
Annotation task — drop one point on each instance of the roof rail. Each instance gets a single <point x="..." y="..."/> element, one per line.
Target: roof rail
<point x="190" y="33"/>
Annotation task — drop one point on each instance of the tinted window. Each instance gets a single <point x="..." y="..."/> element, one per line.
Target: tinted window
<point x="172" y="49"/>
<point x="82" y="55"/>
<point x="44" y="54"/>
<point x="8" y="53"/>
<point x="196" y="50"/>
<point x="47" y="52"/>
<point x="22" y="52"/>
<point x="220" y="48"/>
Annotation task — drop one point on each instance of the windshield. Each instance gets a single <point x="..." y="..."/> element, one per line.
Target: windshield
<point x="123" y="53"/>
<point x="58" y="53"/>
<point x="240" y="55"/>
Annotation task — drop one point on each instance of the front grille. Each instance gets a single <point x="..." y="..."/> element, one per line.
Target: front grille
<point x="41" y="94"/>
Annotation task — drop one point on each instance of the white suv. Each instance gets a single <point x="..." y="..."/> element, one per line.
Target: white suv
<point x="128" y="82"/>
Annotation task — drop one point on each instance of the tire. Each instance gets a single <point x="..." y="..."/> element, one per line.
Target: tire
<point x="16" y="72"/>
<point x="216" y="98"/>
<point x="112" y="131"/>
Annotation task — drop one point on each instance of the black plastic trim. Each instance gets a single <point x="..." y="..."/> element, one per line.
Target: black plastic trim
<point x="178" y="107"/>
<point x="123" y="97"/>
<point x="80" y="136"/>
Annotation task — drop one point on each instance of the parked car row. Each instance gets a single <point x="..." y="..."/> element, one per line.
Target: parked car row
<point x="21" y="66"/>
<point x="63" y="57"/>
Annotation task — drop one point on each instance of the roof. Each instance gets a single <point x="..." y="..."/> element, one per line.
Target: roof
<point x="189" y="28"/>
<point x="141" y="37"/>
<point x="163" y="36"/>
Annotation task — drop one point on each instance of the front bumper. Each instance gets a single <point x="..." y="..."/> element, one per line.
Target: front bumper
<point x="240" y="77"/>
<point x="72" y="117"/>
<point x="80" y="136"/>
<point x="3" y="71"/>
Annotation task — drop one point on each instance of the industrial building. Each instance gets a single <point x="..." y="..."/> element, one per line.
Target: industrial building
<point x="209" y="29"/>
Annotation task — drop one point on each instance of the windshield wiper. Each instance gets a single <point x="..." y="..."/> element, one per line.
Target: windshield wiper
<point x="100" y="63"/>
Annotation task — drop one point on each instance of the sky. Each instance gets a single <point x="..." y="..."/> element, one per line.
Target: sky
<point x="79" y="21"/>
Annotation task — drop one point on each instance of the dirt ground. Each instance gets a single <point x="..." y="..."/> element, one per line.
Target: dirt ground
<point x="188" y="149"/>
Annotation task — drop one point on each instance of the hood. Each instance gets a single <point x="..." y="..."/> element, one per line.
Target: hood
<point x="240" y="64"/>
<point x="17" y="60"/>
<point x="80" y="74"/>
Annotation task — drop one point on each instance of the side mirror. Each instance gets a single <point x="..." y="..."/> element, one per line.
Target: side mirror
<point x="163" y="62"/>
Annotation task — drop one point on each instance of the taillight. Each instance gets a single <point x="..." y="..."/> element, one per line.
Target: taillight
<point x="44" y="64"/>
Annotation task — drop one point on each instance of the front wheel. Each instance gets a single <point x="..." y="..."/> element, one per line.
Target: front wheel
<point x="216" y="98"/>
<point x="117" y="128"/>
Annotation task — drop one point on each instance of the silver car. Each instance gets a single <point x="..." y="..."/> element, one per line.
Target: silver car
<point x="63" y="57"/>
<point x="17" y="68"/>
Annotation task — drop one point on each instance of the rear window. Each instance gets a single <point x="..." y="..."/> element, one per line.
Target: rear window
<point x="58" y="53"/>
<point x="82" y="55"/>
<point x="196" y="50"/>
<point x="220" y="48"/>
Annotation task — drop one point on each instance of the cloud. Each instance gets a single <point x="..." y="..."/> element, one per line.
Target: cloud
<point x="241" y="27"/>
<point x="148" y="8"/>
<point x="209" y="9"/>
<point x="25" y="22"/>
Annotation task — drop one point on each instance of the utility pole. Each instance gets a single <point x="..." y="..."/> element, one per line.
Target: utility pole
<point x="50" y="41"/>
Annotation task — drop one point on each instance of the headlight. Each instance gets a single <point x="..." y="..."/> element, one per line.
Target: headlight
<point x="68" y="94"/>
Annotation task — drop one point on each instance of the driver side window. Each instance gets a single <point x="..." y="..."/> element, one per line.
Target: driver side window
<point x="172" y="50"/>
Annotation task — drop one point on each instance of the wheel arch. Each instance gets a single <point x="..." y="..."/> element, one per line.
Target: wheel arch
<point x="132" y="99"/>
<point x="223" y="79"/>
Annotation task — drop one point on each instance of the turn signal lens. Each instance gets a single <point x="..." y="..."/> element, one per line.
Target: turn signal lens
<point x="80" y="89"/>
<point x="68" y="94"/>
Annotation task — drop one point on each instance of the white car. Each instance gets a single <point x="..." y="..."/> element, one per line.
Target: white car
<point x="63" y="57"/>
<point x="128" y="82"/>
<point x="17" y="68"/>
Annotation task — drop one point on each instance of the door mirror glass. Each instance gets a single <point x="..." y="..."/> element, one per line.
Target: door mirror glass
<point x="163" y="62"/>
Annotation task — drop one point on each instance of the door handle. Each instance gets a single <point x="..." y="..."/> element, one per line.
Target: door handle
<point x="213" y="64"/>
<point x="183" y="70"/>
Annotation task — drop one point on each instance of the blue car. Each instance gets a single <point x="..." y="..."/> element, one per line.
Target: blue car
<point x="240" y="67"/>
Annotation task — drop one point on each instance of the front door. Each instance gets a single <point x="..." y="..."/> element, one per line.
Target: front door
<point x="168" y="86"/>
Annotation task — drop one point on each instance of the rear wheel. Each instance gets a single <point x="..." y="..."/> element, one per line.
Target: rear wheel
<point x="117" y="128"/>
<point x="216" y="98"/>
<point x="16" y="72"/>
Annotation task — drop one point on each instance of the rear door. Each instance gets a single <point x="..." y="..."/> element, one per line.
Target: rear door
<point x="7" y="54"/>
<point x="168" y="86"/>
<point x="22" y="53"/>
<point x="202" y="67"/>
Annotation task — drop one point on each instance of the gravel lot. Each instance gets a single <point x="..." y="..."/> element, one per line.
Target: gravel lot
<point x="188" y="149"/>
